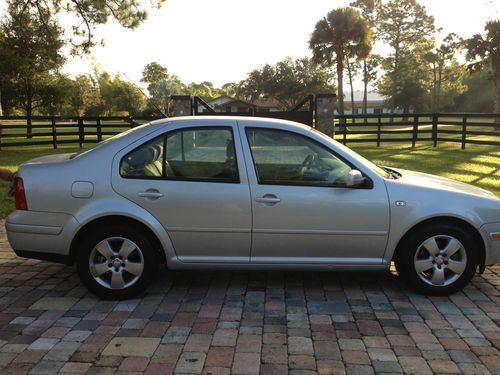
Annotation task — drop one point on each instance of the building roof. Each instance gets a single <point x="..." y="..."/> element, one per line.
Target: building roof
<point x="371" y="96"/>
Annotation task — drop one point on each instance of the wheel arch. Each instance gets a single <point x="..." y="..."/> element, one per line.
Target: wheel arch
<point x="446" y="219"/>
<point x="113" y="220"/>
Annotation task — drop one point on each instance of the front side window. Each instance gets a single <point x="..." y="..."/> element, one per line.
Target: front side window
<point x="282" y="157"/>
<point x="201" y="154"/>
<point x="146" y="161"/>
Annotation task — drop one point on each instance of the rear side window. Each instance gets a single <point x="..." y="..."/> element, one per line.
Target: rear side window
<point x="197" y="154"/>
<point x="201" y="154"/>
<point x="146" y="161"/>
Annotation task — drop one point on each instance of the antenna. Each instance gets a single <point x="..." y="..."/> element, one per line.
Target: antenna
<point x="142" y="92"/>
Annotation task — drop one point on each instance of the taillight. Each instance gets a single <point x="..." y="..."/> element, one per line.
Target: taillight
<point x="19" y="194"/>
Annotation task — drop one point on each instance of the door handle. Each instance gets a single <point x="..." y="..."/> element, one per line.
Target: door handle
<point x="269" y="199"/>
<point x="150" y="194"/>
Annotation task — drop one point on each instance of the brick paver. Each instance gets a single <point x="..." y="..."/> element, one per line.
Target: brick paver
<point x="243" y="323"/>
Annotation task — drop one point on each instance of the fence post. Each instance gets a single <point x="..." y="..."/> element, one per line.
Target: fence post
<point x="464" y="131"/>
<point x="344" y="139"/>
<point x="81" y="134"/>
<point x="434" y="129"/>
<point x="415" y="132"/>
<point x="378" y="130"/>
<point x="54" y="133"/>
<point x="99" y="129"/>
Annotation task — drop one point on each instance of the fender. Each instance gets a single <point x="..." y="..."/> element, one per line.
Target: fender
<point x="123" y="207"/>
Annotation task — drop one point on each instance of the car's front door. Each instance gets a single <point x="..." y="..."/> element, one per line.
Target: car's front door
<point x="303" y="212"/>
<point x="193" y="180"/>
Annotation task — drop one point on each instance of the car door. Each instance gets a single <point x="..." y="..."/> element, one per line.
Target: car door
<point x="303" y="212"/>
<point x="193" y="180"/>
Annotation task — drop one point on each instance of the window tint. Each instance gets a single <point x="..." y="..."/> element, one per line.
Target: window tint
<point x="282" y="157"/>
<point x="144" y="161"/>
<point x="201" y="154"/>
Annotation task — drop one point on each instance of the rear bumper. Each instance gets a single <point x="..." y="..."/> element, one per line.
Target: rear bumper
<point x="492" y="246"/>
<point x="41" y="235"/>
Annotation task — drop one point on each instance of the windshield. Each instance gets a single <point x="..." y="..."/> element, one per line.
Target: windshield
<point x="373" y="167"/>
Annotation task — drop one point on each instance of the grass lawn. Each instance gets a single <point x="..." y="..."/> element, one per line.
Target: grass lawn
<point x="477" y="165"/>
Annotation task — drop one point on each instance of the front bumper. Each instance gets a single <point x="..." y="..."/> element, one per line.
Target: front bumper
<point x="492" y="244"/>
<point x="41" y="235"/>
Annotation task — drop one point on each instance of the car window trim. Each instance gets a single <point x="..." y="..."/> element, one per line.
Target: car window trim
<point x="367" y="185"/>
<point x="164" y="177"/>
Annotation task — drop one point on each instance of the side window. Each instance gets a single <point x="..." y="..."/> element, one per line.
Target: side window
<point x="146" y="161"/>
<point x="282" y="157"/>
<point x="206" y="154"/>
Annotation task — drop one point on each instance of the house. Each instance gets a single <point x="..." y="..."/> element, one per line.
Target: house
<point x="375" y="103"/>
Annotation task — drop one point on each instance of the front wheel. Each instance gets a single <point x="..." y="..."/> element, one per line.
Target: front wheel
<point x="438" y="259"/>
<point x="116" y="262"/>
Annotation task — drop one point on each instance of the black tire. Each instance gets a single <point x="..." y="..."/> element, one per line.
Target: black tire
<point x="405" y="257"/>
<point x="149" y="254"/>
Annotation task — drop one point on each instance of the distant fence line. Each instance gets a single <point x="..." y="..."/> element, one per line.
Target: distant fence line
<point x="463" y="128"/>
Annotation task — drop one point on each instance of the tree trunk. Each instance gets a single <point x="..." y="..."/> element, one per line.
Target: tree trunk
<point x="29" y="113"/>
<point x="1" y="114"/>
<point x="340" y="79"/>
<point x="496" y="72"/>
<point x="365" y="89"/>
<point x="395" y="78"/>
<point x="434" y="88"/>
<point x="349" y="73"/>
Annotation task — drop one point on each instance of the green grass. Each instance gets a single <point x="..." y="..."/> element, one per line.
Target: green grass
<point x="477" y="165"/>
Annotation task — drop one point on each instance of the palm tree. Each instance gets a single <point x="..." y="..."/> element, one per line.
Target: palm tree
<point x="335" y="36"/>
<point x="486" y="51"/>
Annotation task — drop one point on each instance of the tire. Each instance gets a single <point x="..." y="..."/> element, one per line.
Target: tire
<point x="444" y="253"/>
<point x="116" y="262"/>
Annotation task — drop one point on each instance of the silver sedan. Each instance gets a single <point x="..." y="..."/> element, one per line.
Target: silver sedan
<point x="245" y="193"/>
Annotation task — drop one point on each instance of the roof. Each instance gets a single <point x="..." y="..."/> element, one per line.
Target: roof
<point x="371" y="96"/>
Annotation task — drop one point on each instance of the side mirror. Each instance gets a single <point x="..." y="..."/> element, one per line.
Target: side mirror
<point x="354" y="178"/>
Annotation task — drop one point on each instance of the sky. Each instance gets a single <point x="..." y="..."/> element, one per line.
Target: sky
<point x="222" y="40"/>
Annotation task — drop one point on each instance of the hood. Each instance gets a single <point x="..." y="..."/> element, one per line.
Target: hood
<point x="57" y="158"/>
<point x="433" y="182"/>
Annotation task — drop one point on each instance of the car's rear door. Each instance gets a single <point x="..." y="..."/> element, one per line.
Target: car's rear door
<point x="193" y="180"/>
<point x="302" y="210"/>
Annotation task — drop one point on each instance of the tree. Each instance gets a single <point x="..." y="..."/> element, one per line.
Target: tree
<point x="334" y="37"/>
<point x="288" y="82"/>
<point x="83" y="94"/>
<point x="404" y="25"/>
<point x="485" y="52"/>
<point x="445" y="70"/>
<point x="369" y="10"/>
<point x="31" y="51"/>
<point x="480" y="93"/>
<point x="414" y="79"/>
<point x="156" y="76"/>
<point x="118" y="96"/>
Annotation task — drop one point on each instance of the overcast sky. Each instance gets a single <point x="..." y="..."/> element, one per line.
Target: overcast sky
<point x="222" y="40"/>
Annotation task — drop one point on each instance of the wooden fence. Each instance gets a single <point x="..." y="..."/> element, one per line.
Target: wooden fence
<point x="18" y="131"/>
<point x="463" y="128"/>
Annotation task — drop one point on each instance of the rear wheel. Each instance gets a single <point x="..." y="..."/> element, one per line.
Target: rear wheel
<point x="116" y="262"/>
<point x="438" y="259"/>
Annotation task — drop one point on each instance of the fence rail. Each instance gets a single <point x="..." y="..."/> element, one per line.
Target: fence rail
<point x="463" y="128"/>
